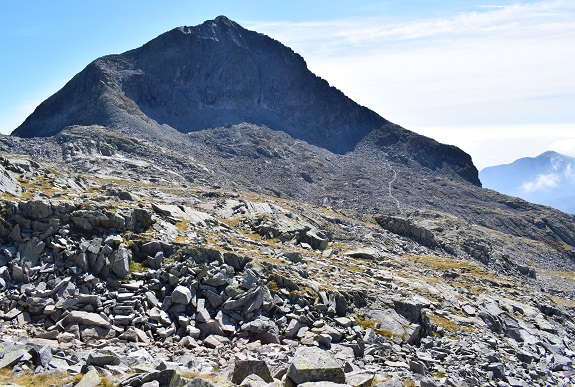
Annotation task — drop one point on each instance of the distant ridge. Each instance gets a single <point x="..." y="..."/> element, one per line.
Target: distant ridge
<point x="547" y="179"/>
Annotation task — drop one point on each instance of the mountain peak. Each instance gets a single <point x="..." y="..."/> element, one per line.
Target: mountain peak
<point x="211" y="27"/>
<point x="549" y="153"/>
<point x="219" y="74"/>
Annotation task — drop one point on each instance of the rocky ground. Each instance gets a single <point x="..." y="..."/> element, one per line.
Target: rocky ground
<point x="152" y="280"/>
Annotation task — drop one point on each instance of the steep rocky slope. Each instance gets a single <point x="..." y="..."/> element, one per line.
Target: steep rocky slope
<point x="319" y="147"/>
<point x="153" y="279"/>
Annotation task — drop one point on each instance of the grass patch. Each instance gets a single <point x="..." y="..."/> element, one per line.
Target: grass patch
<point x="211" y="377"/>
<point x="183" y="225"/>
<point x="563" y="301"/>
<point x="466" y="269"/>
<point x="565" y="274"/>
<point x="137" y="267"/>
<point x="29" y="379"/>
<point x="365" y="324"/>
<point x="230" y="222"/>
<point x="180" y="239"/>
<point x="447" y="324"/>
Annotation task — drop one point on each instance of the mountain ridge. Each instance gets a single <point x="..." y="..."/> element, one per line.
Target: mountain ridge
<point x="217" y="74"/>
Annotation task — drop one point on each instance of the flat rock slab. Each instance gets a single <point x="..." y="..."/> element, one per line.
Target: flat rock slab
<point x="312" y="364"/>
<point x="10" y="359"/>
<point x="88" y="318"/>
<point x="90" y="379"/>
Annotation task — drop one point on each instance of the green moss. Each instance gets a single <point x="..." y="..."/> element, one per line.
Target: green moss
<point x="137" y="267"/>
<point x="365" y="324"/>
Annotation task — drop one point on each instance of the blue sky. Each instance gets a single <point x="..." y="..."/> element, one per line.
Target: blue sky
<point x="495" y="77"/>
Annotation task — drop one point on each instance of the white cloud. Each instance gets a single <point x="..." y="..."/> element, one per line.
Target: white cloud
<point x="562" y="173"/>
<point x="542" y="182"/>
<point x="566" y="145"/>
<point x="497" y="65"/>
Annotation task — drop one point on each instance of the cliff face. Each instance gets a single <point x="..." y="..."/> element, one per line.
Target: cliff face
<point x="219" y="74"/>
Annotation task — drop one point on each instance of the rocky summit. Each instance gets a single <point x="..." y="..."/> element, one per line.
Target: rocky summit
<point x="204" y="211"/>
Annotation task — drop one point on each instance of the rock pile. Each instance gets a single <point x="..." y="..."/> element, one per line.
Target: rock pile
<point x="157" y="294"/>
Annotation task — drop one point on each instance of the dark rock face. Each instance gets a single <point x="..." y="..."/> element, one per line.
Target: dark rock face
<point x="218" y="74"/>
<point x="214" y="74"/>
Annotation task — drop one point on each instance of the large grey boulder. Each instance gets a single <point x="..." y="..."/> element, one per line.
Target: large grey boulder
<point x="406" y="227"/>
<point x="90" y="379"/>
<point x="36" y="209"/>
<point x="120" y="261"/>
<point x="30" y="251"/>
<point x="199" y="382"/>
<point x="360" y="378"/>
<point x="166" y="378"/>
<point x="262" y="329"/>
<point x="394" y="326"/>
<point x="12" y="358"/>
<point x="102" y="359"/>
<point x="245" y="368"/>
<point x="8" y="182"/>
<point x="312" y="364"/>
<point x="181" y="295"/>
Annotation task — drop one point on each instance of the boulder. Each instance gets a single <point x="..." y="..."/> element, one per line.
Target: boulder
<point x="102" y="359"/>
<point x="409" y="309"/>
<point x="155" y="262"/>
<point x="87" y="318"/>
<point x="30" y="251"/>
<point x="244" y="368"/>
<point x="90" y="379"/>
<point x="406" y="227"/>
<point x="12" y="358"/>
<point x="36" y="209"/>
<point x="359" y="379"/>
<point x="199" y="382"/>
<point x="181" y="295"/>
<point x="253" y="381"/>
<point x="262" y="329"/>
<point x="41" y="356"/>
<point x="392" y="325"/>
<point x="166" y="378"/>
<point x="312" y="364"/>
<point x="120" y="261"/>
